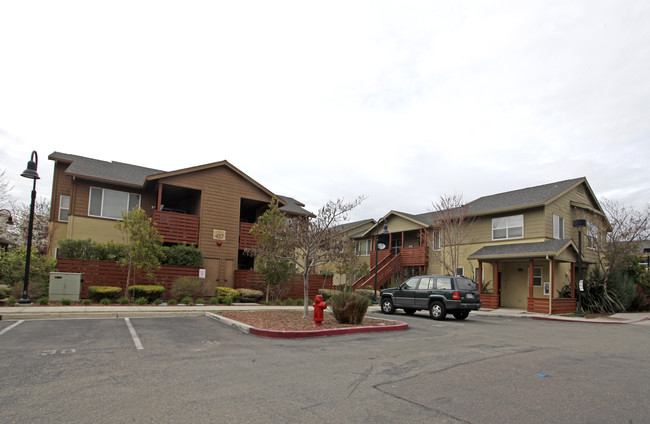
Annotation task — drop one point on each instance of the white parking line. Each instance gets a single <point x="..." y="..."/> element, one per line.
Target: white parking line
<point x="11" y="326"/>
<point x="134" y="335"/>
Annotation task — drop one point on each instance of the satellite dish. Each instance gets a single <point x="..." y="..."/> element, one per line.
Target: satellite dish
<point x="381" y="246"/>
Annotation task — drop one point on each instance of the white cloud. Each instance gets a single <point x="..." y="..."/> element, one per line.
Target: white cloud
<point x="400" y="102"/>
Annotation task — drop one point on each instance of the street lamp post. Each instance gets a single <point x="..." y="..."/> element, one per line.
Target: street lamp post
<point x="31" y="174"/>
<point x="579" y="224"/>
<point x="383" y="232"/>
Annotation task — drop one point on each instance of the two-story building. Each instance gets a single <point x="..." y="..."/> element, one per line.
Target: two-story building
<point x="522" y="248"/>
<point x="211" y="206"/>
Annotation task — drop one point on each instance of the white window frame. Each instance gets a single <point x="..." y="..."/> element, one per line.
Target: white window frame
<point x="63" y="198"/>
<point x="104" y="191"/>
<point x="363" y="247"/>
<point x="593" y="236"/>
<point x="558" y="227"/>
<point x="506" y="223"/>
<point x="537" y="279"/>
<point x="436" y="241"/>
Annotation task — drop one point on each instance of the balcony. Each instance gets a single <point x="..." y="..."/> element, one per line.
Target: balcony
<point x="246" y="239"/>
<point x="178" y="228"/>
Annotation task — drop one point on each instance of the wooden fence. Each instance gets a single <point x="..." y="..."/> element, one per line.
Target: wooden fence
<point x="247" y="279"/>
<point x="108" y="273"/>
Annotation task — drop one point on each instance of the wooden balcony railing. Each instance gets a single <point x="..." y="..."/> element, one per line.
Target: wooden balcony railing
<point x="246" y="239"/>
<point x="415" y="256"/>
<point x="177" y="227"/>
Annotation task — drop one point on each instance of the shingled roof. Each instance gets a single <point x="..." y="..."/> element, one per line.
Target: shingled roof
<point x="109" y="172"/>
<point x="523" y="250"/>
<point x="525" y="197"/>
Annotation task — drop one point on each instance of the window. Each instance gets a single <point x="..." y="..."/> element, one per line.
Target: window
<point x="111" y="203"/>
<point x="363" y="247"/>
<point x="411" y="283"/>
<point x="460" y="272"/>
<point x="436" y="240"/>
<point x="427" y="283"/>
<point x="537" y="276"/>
<point x="64" y="208"/>
<point x="558" y="227"/>
<point x="592" y="236"/>
<point x="508" y="227"/>
<point x="443" y="283"/>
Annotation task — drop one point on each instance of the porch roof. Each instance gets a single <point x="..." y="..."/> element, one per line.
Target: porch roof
<point x="553" y="248"/>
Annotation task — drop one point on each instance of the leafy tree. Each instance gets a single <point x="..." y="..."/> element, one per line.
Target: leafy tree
<point x="276" y="273"/>
<point x="453" y="229"/>
<point x="144" y="244"/>
<point x="307" y="242"/>
<point x="12" y="270"/>
<point x="351" y="266"/>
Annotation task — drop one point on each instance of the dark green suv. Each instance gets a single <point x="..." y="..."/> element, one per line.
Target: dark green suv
<point x="437" y="293"/>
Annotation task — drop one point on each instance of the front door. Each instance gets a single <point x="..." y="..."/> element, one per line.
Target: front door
<point x="212" y="275"/>
<point x="229" y="274"/>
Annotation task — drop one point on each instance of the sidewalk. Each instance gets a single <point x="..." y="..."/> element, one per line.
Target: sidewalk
<point x="22" y="312"/>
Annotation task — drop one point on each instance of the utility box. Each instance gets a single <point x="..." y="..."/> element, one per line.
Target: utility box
<point x="65" y="285"/>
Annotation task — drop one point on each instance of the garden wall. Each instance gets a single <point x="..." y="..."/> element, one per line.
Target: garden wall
<point x="247" y="279"/>
<point x="108" y="273"/>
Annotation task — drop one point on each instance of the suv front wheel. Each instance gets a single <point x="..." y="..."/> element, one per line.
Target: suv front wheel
<point x="437" y="311"/>
<point x="387" y="306"/>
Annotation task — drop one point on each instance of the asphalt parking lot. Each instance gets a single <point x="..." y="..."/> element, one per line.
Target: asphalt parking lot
<point x="195" y="369"/>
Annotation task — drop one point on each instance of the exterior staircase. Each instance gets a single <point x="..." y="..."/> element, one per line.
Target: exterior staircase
<point x="386" y="268"/>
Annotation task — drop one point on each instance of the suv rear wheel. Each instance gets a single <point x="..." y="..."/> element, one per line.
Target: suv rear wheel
<point x="437" y="311"/>
<point x="461" y="315"/>
<point x="387" y="306"/>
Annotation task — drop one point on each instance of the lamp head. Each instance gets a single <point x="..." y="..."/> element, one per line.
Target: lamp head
<point x="32" y="165"/>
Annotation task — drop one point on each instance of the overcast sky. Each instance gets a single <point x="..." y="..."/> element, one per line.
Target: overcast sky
<point x="400" y="101"/>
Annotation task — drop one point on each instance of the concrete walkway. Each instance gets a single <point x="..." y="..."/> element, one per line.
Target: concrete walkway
<point x="20" y="312"/>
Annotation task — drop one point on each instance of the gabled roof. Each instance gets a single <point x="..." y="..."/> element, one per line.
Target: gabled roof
<point x="524" y="198"/>
<point x="108" y="172"/>
<point x="524" y="250"/>
<point x="293" y="207"/>
<point x="136" y="176"/>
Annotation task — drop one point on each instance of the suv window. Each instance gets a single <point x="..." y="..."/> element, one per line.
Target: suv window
<point x="465" y="284"/>
<point x="426" y="283"/>
<point x="443" y="283"/>
<point x="411" y="283"/>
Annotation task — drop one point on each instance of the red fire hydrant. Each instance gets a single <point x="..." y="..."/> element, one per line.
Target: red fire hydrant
<point x="319" y="306"/>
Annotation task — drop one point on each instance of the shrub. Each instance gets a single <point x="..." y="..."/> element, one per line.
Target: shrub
<point x="149" y="292"/>
<point x="199" y="301"/>
<point x="226" y="300"/>
<point x="43" y="301"/>
<point x="214" y="301"/>
<point x="5" y="291"/>
<point x="300" y="302"/>
<point x="187" y="300"/>
<point x="12" y="271"/>
<point x="11" y="301"/>
<point x="327" y="293"/>
<point x="180" y="255"/>
<point x="222" y="293"/>
<point x="192" y="287"/>
<point x="267" y="303"/>
<point x="250" y="296"/>
<point x="124" y="301"/>
<point x="370" y="294"/>
<point x="86" y="302"/>
<point x="348" y="307"/>
<point x="65" y="302"/>
<point x="105" y="301"/>
<point x="141" y="301"/>
<point x="157" y="302"/>
<point x="172" y="302"/>
<point x="289" y="301"/>
<point x="97" y="293"/>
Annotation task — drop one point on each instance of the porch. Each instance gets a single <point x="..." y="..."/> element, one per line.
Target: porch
<point x="540" y="277"/>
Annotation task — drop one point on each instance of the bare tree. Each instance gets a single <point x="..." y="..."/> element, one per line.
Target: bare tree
<point x="453" y="229"/>
<point x="307" y="242"/>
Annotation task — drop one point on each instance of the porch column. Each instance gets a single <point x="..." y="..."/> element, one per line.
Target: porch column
<point x="480" y="276"/>
<point x="160" y="188"/>
<point x="495" y="276"/>
<point x="573" y="279"/>
<point x="531" y="269"/>
<point x="550" y="294"/>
